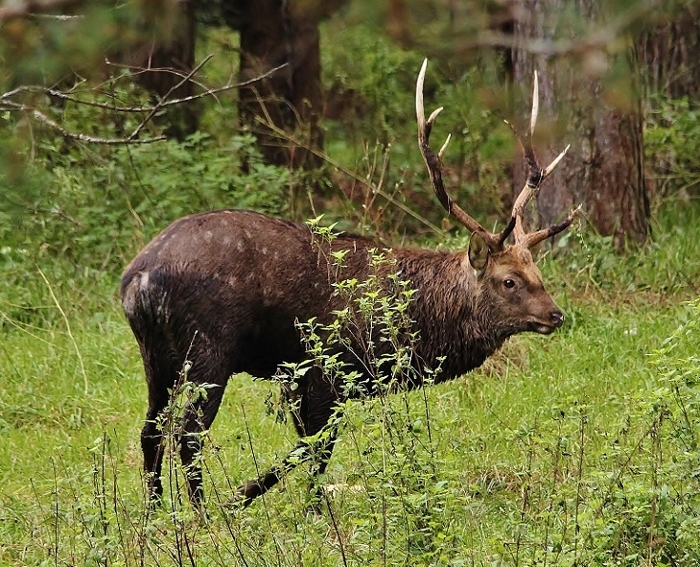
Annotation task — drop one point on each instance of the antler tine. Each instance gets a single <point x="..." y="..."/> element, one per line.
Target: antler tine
<point x="535" y="238"/>
<point x="433" y="164"/>
<point x="536" y="176"/>
<point x="535" y="105"/>
<point x="534" y="181"/>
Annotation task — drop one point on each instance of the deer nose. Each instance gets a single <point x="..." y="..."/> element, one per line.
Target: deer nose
<point x="557" y="318"/>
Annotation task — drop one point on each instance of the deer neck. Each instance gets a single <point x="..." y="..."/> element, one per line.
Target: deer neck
<point x="448" y="311"/>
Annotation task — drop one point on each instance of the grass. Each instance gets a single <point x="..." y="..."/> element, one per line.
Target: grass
<point x="574" y="449"/>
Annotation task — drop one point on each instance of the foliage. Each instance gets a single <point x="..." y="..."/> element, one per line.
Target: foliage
<point x="652" y="513"/>
<point x="669" y="137"/>
<point x="95" y="206"/>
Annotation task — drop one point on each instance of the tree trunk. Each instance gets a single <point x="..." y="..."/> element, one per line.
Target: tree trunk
<point x="668" y="50"/>
<point x="286" y="105"/>
<point x="668" y="47"/>
<point x="168" y="57"/>
<point x="597" y="113"/>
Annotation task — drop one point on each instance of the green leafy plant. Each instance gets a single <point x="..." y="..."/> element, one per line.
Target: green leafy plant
<point x="669" y="143"/>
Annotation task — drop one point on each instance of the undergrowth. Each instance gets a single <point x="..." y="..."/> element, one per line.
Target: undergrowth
<point x="576" y="449"/>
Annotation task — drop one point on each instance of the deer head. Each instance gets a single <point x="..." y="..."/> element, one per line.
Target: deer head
<point x="506" y="273"/>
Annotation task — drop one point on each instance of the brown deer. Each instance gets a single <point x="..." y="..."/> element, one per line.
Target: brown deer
<point x="222" y="290"/>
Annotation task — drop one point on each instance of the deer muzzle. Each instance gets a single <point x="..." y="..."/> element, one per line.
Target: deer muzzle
<point x="557" y="318"/>
<point x="545" y="326"/>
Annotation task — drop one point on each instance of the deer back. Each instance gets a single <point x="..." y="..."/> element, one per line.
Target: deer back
<point x="239" y="280"/>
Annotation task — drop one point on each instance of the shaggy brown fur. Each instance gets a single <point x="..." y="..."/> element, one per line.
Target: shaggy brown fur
<point x="224" y="289"/>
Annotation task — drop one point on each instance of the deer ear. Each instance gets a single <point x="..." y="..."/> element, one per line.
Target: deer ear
<point x="478" y="252"/>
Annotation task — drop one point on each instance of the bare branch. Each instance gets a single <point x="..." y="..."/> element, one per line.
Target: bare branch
<point x="92" y="139"/>
<point x="6" y="103"/>
<point x="12" y="10"/>
<point x="65" y="95"/>
<point x="159" y="105"/>
<point x="224" y="88"/>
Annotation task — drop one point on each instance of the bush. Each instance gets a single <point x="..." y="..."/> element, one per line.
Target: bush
<point x="669" y="144"/>
<point x="94" y="207"/>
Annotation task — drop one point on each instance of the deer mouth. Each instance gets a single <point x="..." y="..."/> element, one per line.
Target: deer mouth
<point x="547" y="326"/>
<point x="542" y="328"/>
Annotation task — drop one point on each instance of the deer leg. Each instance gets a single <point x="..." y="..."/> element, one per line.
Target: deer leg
<point x="317" y="451"/>
<point x="198" y="418"/>
<point x="160" y="376"/>
<point x="315" y="415"/>
<point x="152" y="448"/>
<point x="322" y="455"/>
<point x="250" y="490"/>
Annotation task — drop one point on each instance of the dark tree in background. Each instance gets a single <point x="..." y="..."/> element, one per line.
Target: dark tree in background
<point x="668" y="46"/>
<point x="286" y="106"/>
<point x="167" y="54"/>
<point x="593" y="95"/>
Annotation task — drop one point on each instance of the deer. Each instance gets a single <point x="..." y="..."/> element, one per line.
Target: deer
<point x="222" y="292"/>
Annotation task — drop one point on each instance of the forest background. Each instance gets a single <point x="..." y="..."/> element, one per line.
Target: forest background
<point x="575" y="449"/>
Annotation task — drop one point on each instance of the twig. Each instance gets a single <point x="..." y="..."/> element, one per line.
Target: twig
<point x="159" y="105"/>
<point x="11" y="10"/>
<point x="92" y="139"/>
<point x="341" y="546"/>
<point x="209" y="92"/>
<point x="70" y="333"/>
<point x="7" y="104"/>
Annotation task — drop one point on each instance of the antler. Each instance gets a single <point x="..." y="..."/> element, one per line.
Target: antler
<point x="534" y="181"/>
<point x="433" y="163"/>
<point x="535" y="178"/>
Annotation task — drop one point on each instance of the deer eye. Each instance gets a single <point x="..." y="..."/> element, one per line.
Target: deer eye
<point x="509" y="283"/>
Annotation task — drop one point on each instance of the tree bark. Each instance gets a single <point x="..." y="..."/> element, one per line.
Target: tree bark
<point x="274" y="32"/>
<point x="668" y="50"/>
<point x="602" y="121"/>
<point x="168" y="56"/>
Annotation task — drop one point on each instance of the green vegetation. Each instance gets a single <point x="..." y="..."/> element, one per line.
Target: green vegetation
<point x="576" y="449"/>
<point x="579" y="448"/>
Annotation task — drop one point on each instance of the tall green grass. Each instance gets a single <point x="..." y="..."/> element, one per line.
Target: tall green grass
<point x="574" y="449"/>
